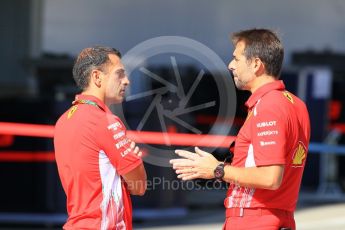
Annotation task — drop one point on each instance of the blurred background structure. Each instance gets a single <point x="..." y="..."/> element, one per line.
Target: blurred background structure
<point x="40" y="38"/>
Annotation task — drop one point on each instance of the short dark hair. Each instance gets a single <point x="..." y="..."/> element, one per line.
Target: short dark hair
<point x="96" y="57"/>
<point x="263" y="44"/>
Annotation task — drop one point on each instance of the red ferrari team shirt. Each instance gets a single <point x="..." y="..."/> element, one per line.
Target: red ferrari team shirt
<point x="276" y="132"/>
<point x="92" y="153"/>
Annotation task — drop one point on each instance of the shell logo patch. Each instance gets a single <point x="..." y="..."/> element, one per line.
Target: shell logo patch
<point x="299" y="156"/>
<point x="71" y="111"/>
<point x="288" y="96"/>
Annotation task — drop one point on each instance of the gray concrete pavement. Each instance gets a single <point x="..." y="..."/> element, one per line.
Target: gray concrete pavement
<point x="330" y="217"/>
<point x="320" y="217"/>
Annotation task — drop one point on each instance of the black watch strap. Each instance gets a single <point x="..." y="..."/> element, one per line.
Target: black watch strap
<point x="219" y="172"/>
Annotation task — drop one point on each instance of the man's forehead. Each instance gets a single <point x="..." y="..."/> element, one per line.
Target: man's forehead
<point x="239" y="48"/>
<point x="116" y="61"/>
<point x="114" y="58"/>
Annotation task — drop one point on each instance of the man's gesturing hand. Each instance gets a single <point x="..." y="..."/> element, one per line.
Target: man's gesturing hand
<point x="135" y="149"/>
<point x="200" y="164"/>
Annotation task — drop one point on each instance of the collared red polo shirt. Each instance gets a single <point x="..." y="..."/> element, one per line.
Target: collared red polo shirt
<point x="92" y="153"/>
<point x="276" y="132"/>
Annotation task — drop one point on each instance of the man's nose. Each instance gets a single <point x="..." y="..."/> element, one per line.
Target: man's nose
<point x="127" y="81"/>
<point x="230" y="66"/>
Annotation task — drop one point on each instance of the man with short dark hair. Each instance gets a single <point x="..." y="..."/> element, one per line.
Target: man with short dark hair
<point x="98" y="165"/>
<point x="271" y="147"/>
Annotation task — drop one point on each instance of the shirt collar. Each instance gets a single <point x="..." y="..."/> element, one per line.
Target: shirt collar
<point x="94" y="99"/>
<point x="276" y="85"/>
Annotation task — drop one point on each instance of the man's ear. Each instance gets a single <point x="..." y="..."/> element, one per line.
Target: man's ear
<point x="96" y="78"/>
<point x="259" y="66"/>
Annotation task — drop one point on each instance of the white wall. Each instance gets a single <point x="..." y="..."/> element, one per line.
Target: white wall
<point x="70" y="25"/>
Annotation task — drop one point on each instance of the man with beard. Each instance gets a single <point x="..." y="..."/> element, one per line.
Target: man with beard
<point x="271" y="147"/>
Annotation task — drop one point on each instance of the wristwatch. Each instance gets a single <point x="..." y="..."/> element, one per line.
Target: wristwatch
<point x="219" y="172"/>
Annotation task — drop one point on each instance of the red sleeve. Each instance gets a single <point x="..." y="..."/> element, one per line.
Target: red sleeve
<point x="116" y="146"/>
<point x="269" y="135"/>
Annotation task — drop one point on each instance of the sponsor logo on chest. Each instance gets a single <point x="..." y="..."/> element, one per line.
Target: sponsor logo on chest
<point x="121" y="143"/>
<point x="119" y="135"/>
<point x="115" y="126"/>
<point x="266" y="124"/>
<point x="268" y="133"/>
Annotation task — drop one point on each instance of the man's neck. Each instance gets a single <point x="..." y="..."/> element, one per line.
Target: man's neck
<point x="94" y="93"/>
<point x="260" y="81"/>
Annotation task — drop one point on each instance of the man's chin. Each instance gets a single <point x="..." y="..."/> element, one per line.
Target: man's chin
<point x="239" y="85"/>
<point x="114" y="101"/>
